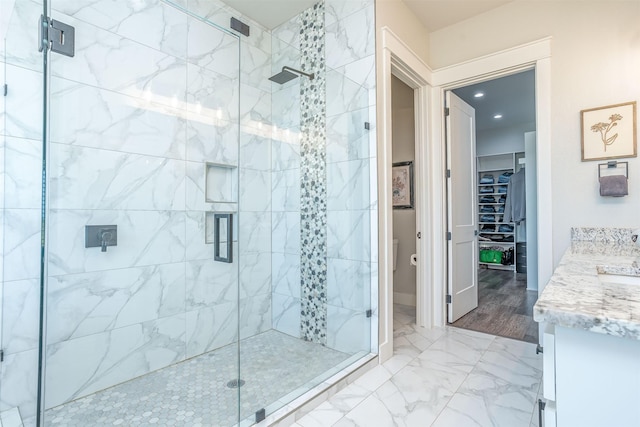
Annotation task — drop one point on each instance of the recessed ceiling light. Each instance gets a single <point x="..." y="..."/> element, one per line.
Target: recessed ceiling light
<point x="497" y="116"/>
<point x="478" y="95"/>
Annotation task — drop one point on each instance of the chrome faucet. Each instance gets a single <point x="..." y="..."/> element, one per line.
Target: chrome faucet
<point x="105" y="238"/>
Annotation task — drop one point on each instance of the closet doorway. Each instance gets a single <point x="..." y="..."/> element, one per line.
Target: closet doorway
<point x="504" y="205"/>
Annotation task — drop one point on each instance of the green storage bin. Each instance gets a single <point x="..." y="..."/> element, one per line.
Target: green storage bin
<point x="491" y="256"/>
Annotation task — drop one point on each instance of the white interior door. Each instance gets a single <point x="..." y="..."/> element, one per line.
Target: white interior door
<point x="463" y="218"/>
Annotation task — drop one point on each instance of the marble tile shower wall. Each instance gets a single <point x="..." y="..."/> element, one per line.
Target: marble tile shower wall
<point x="285" y="165"/>
<point x="351" y="176"/>
<point x="134" y="117"/>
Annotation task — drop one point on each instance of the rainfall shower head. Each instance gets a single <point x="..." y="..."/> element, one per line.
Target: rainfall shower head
<point x="288" y="74"/>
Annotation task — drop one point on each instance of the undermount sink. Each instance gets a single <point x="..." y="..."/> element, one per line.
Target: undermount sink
<point x="619" y="279"/>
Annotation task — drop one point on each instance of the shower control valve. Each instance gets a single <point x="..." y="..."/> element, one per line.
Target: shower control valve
<point x="100" y="236"/>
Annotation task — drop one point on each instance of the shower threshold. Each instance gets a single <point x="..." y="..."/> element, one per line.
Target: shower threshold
<point x="195" y="392"/>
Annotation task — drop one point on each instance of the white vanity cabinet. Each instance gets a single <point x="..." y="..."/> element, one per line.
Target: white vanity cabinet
<point x="590" y="309"/>
<point x="590" y="379"/>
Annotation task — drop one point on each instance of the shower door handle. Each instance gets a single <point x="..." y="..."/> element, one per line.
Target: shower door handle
<point x="223" y="239"/>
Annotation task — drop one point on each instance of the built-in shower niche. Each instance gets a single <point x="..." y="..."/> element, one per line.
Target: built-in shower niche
<point x="221" y="183"/>
<point x="221" y="197"/>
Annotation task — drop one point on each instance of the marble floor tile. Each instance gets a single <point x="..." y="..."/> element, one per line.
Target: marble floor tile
<point x="457" y="348"/>
<point x="10" y="418"/>
<point x="324" y="415"/>
<point x="371" y="412"/>
<point x="374" y="378"/>
<point x="441" y="377"/>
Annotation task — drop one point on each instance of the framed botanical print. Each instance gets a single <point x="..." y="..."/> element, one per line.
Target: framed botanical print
<point x="609" y="132"/>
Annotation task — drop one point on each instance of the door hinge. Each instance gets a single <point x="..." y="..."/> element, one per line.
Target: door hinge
<point x="446" y="111"/>
<point x="57" y="36"/>
<point x="419" y="235"/>
<point x="475" y="232"/>
<point x="448" y="235"/>
<point x="240" y="26"/>
<point x="448" y="173"/>
<point x="448" y="299"/>
<point x="541" y="405"/>
<point x="5" y="89"/>
<point x="261" y="415"/>
<point x="539" y="349"/>
<point x="369" y="313"/>
<point x="1" y="355"/>
<point x="367" y="125"/>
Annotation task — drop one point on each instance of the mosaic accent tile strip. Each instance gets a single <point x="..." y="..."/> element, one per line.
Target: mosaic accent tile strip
<point x="313" y="178"/>
<point x="601" y="234"/>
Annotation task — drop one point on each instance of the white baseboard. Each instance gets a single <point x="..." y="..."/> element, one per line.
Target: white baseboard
<point x="404" y="299"/>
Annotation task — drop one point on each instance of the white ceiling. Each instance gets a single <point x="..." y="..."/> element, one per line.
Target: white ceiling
<point x="437" y="14"/>
<point x="512" y="96"/>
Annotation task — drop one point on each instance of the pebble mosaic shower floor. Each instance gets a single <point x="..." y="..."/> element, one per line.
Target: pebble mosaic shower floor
<point x="195" y="392"/>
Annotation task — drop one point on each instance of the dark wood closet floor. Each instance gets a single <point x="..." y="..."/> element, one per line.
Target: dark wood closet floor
<point x="505" y="307"/>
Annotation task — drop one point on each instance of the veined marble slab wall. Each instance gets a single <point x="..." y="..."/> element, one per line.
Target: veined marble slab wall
<point x="351" y="176"/>
<point x="350" y="173"/>
<point x="151" y="95"/>
<point x="285" y="165"/>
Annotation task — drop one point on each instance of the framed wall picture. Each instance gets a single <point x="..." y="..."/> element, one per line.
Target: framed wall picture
<point x="402" y="185"/>
<point x="609" y="132"/>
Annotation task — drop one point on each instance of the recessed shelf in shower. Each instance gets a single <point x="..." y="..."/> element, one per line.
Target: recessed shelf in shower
<point x="221" y="183"/>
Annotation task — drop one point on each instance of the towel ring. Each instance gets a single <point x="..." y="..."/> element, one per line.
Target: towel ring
<point x="613" y="165"/>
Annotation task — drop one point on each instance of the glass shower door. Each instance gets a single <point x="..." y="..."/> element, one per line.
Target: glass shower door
<point x="21" y="78"/>
<point x="142" y="259"/>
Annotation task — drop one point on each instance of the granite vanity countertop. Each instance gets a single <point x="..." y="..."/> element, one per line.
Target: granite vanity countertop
<point x="576" y="298"/>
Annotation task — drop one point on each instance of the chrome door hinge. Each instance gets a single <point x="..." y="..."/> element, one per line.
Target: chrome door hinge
<point x="57" y="36"/>
<point x="448" y="235"/>
<point x="448" y="299"/>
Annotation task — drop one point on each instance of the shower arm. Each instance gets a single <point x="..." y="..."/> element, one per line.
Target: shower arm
<point x="310" y="76"/>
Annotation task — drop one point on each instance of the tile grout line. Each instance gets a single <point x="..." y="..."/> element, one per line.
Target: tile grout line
<point x="463" y="381"/>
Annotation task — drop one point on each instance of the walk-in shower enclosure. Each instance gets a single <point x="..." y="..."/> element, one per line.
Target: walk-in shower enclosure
<point x="183" y="241"/>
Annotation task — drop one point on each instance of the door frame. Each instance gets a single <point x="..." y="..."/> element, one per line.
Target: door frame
<point x="395" y="57"/>
<point x="535" y="55"/>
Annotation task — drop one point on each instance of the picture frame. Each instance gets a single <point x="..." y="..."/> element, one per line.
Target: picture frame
<point x="402" y="185"/>
<point x="609" y="132"/>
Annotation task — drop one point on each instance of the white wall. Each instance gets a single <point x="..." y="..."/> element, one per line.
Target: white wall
<point x="404" y="220"/>
<point x="503" y="140"/>
<point x="395" y="15"/>
<point x="595" y="62"/>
